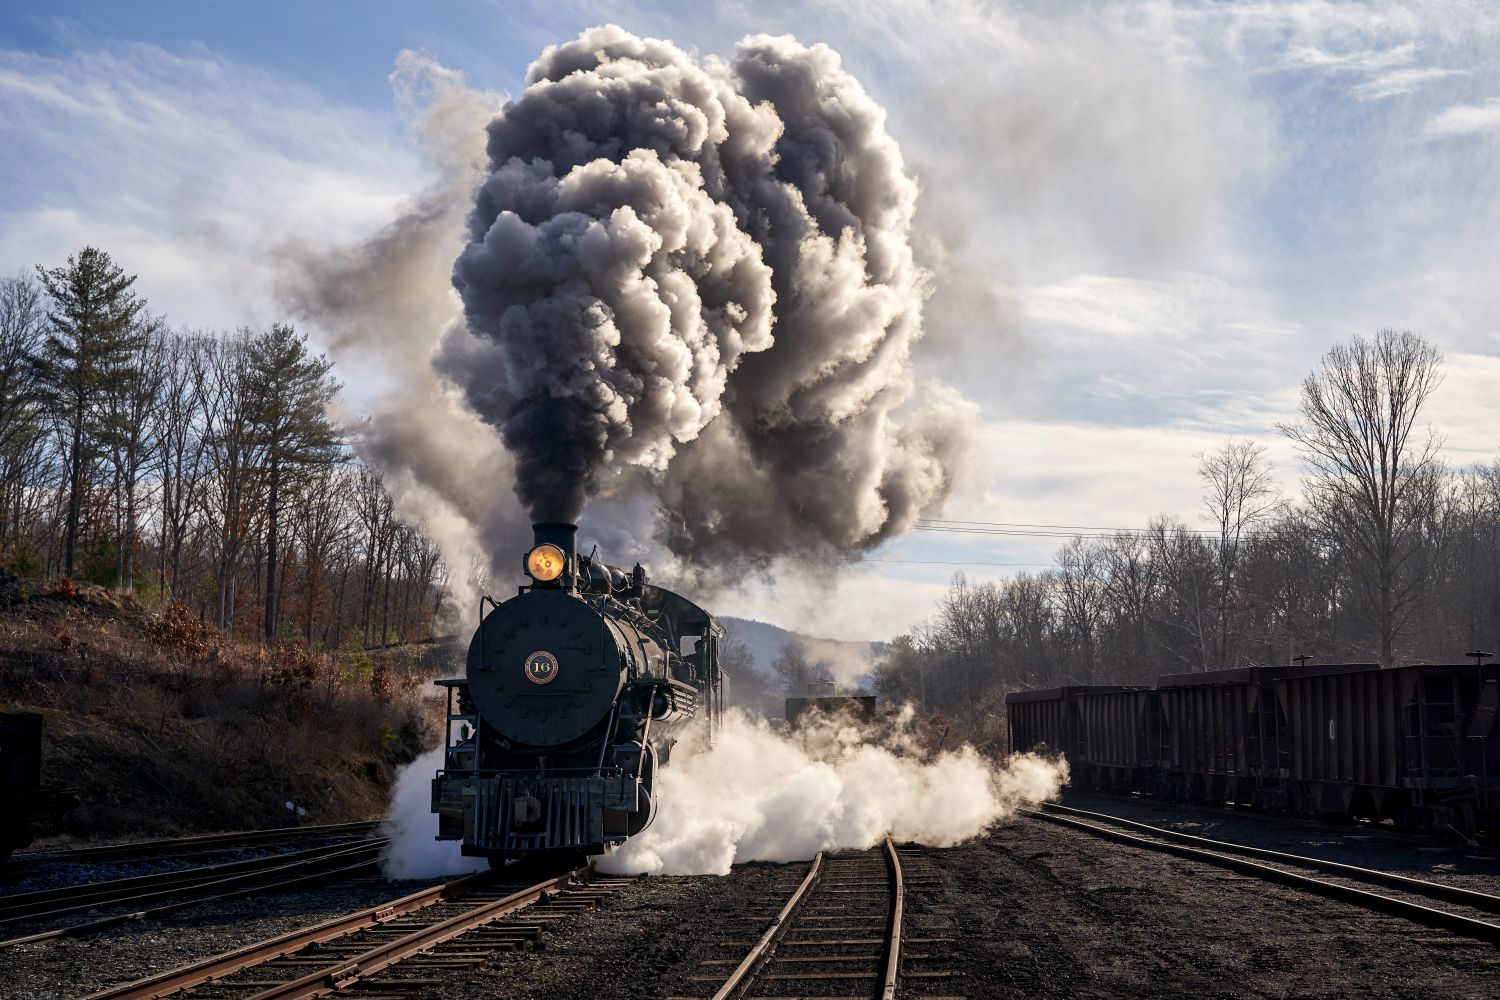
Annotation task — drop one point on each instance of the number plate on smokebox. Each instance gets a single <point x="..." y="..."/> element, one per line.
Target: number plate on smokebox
<point x="541" y="667"/>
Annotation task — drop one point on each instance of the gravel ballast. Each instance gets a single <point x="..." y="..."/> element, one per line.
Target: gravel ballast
<point x="1031" y="910"/>
<point x="72" y="967"/>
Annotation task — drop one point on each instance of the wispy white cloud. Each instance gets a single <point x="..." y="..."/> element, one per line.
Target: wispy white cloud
<point x="1401" y="81"/>
<point x="188" y="166"/>
<point x="1092" y="305"/>
<point x="1465" y="119"/>
<point x="1364" y="61"/>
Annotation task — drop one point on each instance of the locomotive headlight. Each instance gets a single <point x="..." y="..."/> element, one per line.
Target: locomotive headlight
<point x="545" y="562"/>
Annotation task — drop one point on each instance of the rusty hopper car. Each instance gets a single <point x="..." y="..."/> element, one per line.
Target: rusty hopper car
<point x="1418" y="745"/>
<point x="1109" y="734"/>
<point x="860" y="708"/>
<point x="1121" y="738"/>
<point x="1224" y="737"/>
<point x="574" y="693"/>
<point x="1044" y="721"/>
<point x="20" y="777"/>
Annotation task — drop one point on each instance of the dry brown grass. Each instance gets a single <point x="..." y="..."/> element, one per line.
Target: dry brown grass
<point x="160" y="725"/>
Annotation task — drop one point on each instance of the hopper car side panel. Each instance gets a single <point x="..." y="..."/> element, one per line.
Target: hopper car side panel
<point x="1118" y="726"/>
<point x="1224" y="732"/>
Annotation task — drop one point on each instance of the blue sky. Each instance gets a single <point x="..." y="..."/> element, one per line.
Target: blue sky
<point x="1145" y="221"/>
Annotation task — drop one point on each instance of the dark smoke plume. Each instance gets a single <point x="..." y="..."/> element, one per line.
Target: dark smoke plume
<point x="699" y="278"/>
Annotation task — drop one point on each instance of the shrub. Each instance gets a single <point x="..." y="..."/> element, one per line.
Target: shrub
<point x="177" y="630"/>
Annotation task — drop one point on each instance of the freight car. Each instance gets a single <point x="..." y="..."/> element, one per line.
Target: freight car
<point x="1417" y="745"/>
<point x="20" y="778"/>
<point x="1223" y="738"/>
<point x="575" y="691"/>
<point x="1109" y="734"/>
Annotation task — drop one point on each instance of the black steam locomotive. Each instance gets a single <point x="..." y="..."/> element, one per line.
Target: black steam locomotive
<point x="575" y="691"/>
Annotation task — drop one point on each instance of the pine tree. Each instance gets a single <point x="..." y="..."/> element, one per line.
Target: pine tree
<point x="86" y="353"/>
<point x="290" y="390"/>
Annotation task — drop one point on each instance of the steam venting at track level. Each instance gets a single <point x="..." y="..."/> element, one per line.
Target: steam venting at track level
<point x="833" y="783"/>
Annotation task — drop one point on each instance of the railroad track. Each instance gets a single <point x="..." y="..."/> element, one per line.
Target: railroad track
<point x="191" y="846"/>
<point x="180" y="888"/>
<point x="1468" y="912"/>
<point x="841" y="929"/>
<point x="1451" y="841"/>
<point x="384" y="951"/>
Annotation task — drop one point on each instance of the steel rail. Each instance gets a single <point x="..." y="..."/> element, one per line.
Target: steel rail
<point x="84" y="902"/>
<point x="893" y="943"/>
<point x="1415" y="912"/>
<point x="209" y="841"/>
<point x="779" y="925"/>
<point x="217" y="967"/>
<point x="1452" y="893"/>
<point x="180" y="878"/>
<point x="73" y="930"/>
<point x="1360" y="827"/>
<point x="340" y="975"/>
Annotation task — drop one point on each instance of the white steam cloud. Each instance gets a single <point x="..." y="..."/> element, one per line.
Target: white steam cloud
<point x="412" y="826"/>
<point x="762" y="796"/>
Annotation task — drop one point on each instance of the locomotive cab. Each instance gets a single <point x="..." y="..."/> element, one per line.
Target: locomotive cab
<point x="574" y="692"/>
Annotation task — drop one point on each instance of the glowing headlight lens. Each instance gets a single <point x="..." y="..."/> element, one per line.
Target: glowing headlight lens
<point x="545" y="562"/>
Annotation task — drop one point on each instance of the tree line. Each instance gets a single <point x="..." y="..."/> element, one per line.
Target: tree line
<point x="194" y="468"/>
<point x="1388" y="555"/>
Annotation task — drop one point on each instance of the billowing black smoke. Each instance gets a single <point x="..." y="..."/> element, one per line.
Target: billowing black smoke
<point x="697" y="280"/>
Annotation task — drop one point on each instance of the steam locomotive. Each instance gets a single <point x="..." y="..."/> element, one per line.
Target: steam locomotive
<point x="575" y="691"/>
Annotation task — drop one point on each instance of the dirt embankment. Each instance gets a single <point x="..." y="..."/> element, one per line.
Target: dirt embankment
<point x="155" y="724"/>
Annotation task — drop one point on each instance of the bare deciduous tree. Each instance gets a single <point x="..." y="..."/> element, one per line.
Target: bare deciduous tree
<point x="23" y="319"/>
<point x="1373" y="475"/>
<point x="1239" y="494"/>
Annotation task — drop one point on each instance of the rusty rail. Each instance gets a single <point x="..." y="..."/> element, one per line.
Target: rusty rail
<point x="893" y="932"/>
<point x="194" y="845"/>
<point x="1419" y="886"/>
<point x="47" y="904"/>
<point x="72" y="930"/>
<point x="1416" y="912"/>
<point x="779" y="925"/>
<point x="346" y="973"/>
